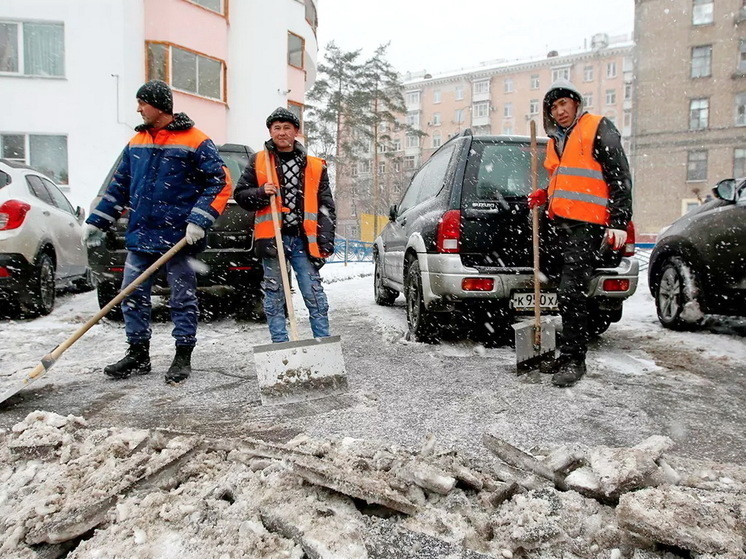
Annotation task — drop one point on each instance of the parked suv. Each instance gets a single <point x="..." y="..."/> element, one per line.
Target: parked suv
<point x="229" y="260"/>
<point x="458" y="245"/>
<point x="40" y="240"/>
<point x="698" y="265"/>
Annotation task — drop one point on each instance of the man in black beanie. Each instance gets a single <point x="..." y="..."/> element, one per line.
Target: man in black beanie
<point x="174" y="184"/>
<point x="589" y="201"/>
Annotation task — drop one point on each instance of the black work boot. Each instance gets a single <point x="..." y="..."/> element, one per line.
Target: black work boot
<point x="569" y="372"/>
<point x="135" y="362"/>
<point x="181" y="366"/>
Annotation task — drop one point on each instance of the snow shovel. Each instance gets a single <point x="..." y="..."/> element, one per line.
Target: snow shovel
<point x="297" y="370"/>
<point x="51" y="358"/>
<point x="536" y="341"/>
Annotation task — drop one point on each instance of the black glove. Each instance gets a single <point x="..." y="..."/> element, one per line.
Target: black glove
<point x="318" y="263"/>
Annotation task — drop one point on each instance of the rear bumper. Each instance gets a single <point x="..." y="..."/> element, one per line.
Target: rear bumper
<point x="443" y="276"/>
<point x="19" y="271"/>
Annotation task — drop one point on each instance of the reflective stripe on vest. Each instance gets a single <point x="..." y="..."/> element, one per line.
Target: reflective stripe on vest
<point x="577" y="189"/>
<point x="263" y="228"/>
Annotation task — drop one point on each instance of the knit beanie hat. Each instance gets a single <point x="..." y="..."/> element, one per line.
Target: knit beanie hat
<point x="157" y="94"/>
<point x="281" y="114"/>
<point x="558" y="93"/>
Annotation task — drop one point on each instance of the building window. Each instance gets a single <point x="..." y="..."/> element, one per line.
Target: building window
<point x="381" y="167"/>
<point x="508" y="110"/>
<point x="561" y="74"/>
<point x="364" y="166"/>
<point x="459" y="92"/>
<point x="296" y="45"/>
<point x="436" y="96"/>
<point x="436" y="119"/>
<point x="217" y="6"/>
<point x="627" y="118"/>
<point x="534" y="81"/>
<point x="610" y="96"/>
<point x="741" y="109"/>
<point x="587" y="100"/>
<point x="397" y="144"/>
<point x="311" y="16"/>
<point x="508" y="85"/>
<point x="742" y="56"/>
<point x="409" y="162"/>
<point x="413" y="98"/>
<point x="696" y="166"/>
<point x="739" y="163"/>
<point x="32" y="49"/>
<point x="481" y="110"/>
<point x="701" y="61"/>
<point x="413" y="141"/>
<point x="413" y="119"/>
<point x="189" y="71"/>
<point x="481" y="88"/>
<point x="628" y="91"/>
<point x="588" y="74"/>
<point x="458" y="117"/>
<point x="611" y="70"/>
<point x="436" y="140"/>
<point x="297" y="110"/>
<point x="702" y="12"/>
<point x="45" y="153"/>
<point x="508" y="129"/>
<point x="698" y="113"/>
<point x="533" y="107"/>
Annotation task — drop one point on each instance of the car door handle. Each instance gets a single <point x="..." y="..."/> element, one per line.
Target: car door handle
<point x="403" y="221"/>
<point x="71" y="224"/>
<point x="45" y="212"/>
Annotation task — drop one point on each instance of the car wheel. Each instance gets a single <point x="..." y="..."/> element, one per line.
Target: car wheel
<point x="422" y="326"/>
<point x="383" y="295"/>
<point x="677" y="296"/>
<point x="85" y="283"/>
<point x="598" y="324"/>
<point x="106" y="291"/>
<point x="42" y="290"/>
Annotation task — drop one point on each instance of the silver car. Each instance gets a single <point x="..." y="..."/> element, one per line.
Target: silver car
<point x="40" y="240"/>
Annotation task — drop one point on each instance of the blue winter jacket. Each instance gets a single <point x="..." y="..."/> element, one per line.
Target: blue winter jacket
<point x="165" y="182"/>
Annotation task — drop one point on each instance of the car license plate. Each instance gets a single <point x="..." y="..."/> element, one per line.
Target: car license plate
<point x="526" y="301"/>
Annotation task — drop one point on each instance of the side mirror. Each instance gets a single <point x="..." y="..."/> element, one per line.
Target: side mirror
<point x="79" y="214"/>
<point x="392" y="212"/>
<point x="725" y="190"/>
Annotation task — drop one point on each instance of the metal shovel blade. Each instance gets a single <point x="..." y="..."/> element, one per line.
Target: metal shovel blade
<point x="301" y="370"/>
<point x="528" y="356"/>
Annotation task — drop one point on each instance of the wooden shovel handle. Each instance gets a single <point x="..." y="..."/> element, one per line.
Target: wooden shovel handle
<point x="281" y="256"/>
<point x="535" y="237"/>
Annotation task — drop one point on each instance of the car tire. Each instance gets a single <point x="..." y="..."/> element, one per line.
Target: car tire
<point x="422" y="326"/>
<point x="384" y="296"/>
<point x="42" y="289"/>
<point x="85" y="283"/>
<point x="598" y="324"/>
<point x="106" y="291"/>
<point x="677" y="295"/>
<point x="251" y="305"/>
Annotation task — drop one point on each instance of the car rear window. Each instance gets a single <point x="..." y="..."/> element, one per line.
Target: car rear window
<point x="498" y="170"/>
<point x="236" y="163"/>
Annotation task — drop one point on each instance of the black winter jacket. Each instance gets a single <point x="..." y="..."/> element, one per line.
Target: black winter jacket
<point x="250" y="196"/>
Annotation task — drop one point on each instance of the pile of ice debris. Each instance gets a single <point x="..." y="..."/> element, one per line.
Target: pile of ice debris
<point x="67" y="490"/>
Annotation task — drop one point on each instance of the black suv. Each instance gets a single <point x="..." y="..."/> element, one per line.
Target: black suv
<point x="229" y="258"/>
<point x="458" y="245"/>
<point x="698" y="265"/>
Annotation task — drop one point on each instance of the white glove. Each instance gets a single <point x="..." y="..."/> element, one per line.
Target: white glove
<point x="194" y="233"/>
<point x="92" y="235"/>
<point x="616" y="238"/>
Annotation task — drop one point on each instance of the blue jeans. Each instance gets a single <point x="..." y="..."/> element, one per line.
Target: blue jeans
<point x="309" y="282"/>
<point x="136" y="307"/>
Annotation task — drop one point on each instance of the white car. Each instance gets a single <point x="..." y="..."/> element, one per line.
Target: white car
<point x="41" y="248"/>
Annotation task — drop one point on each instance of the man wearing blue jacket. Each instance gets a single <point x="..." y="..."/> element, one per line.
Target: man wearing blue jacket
<point x="174" y="184"/>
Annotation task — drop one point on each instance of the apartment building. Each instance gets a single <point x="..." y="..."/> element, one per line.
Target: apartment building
<point x="497" y="97"/>
<point x="690" y="101"/>
<point x="69" y="71"/>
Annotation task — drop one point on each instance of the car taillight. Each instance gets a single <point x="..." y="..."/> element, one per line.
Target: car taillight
<point x="477" y="284"/>
<point x="449" y="232"/>
<point x="4" y="272"/>
<point x="12" y="214"/>
<point x="616" y="285"/>
<point x="629" y="246"/>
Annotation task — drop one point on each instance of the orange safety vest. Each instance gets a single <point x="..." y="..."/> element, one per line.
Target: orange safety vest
<point x="263" y="227"/>
<point x="577" y="189"/>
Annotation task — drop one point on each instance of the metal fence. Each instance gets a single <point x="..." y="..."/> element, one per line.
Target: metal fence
<point x="349" y="250"/>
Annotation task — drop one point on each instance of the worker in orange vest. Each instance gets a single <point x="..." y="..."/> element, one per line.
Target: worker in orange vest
<point x="590" y="203"/>
<point x="308" y="220"/>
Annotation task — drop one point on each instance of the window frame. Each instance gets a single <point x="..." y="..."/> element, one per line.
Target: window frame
<point x="701" y="60"/>
<point x="534" y="81"/>
<point x="561" y="72"/>
<point x="611" y="72"/>
<point x="741" y="65"/>
<point x="740" y="99"/>
<point x="699" y="113"/>
<point x="739" y="169"/>
<point x="21" y="49"/>
<point x="223" y="7"/>
<point x="587" y="100"/>
<point x="436" y="96"/>
<point x="302" y="51"/>
<point x="508" y="110"/>
<point x="610" y="97"/>
<point x="27" y="155"/>
<point x="690" y="162"/>
<point x="481" y="109"/>
<point x="481" y="87"/>
<point x="698" y="11"/>
<point x="508" y="86"/>
<point x="588" y="72"/>
<point x="298" y="112"/>
<point x="169" y="70"/>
